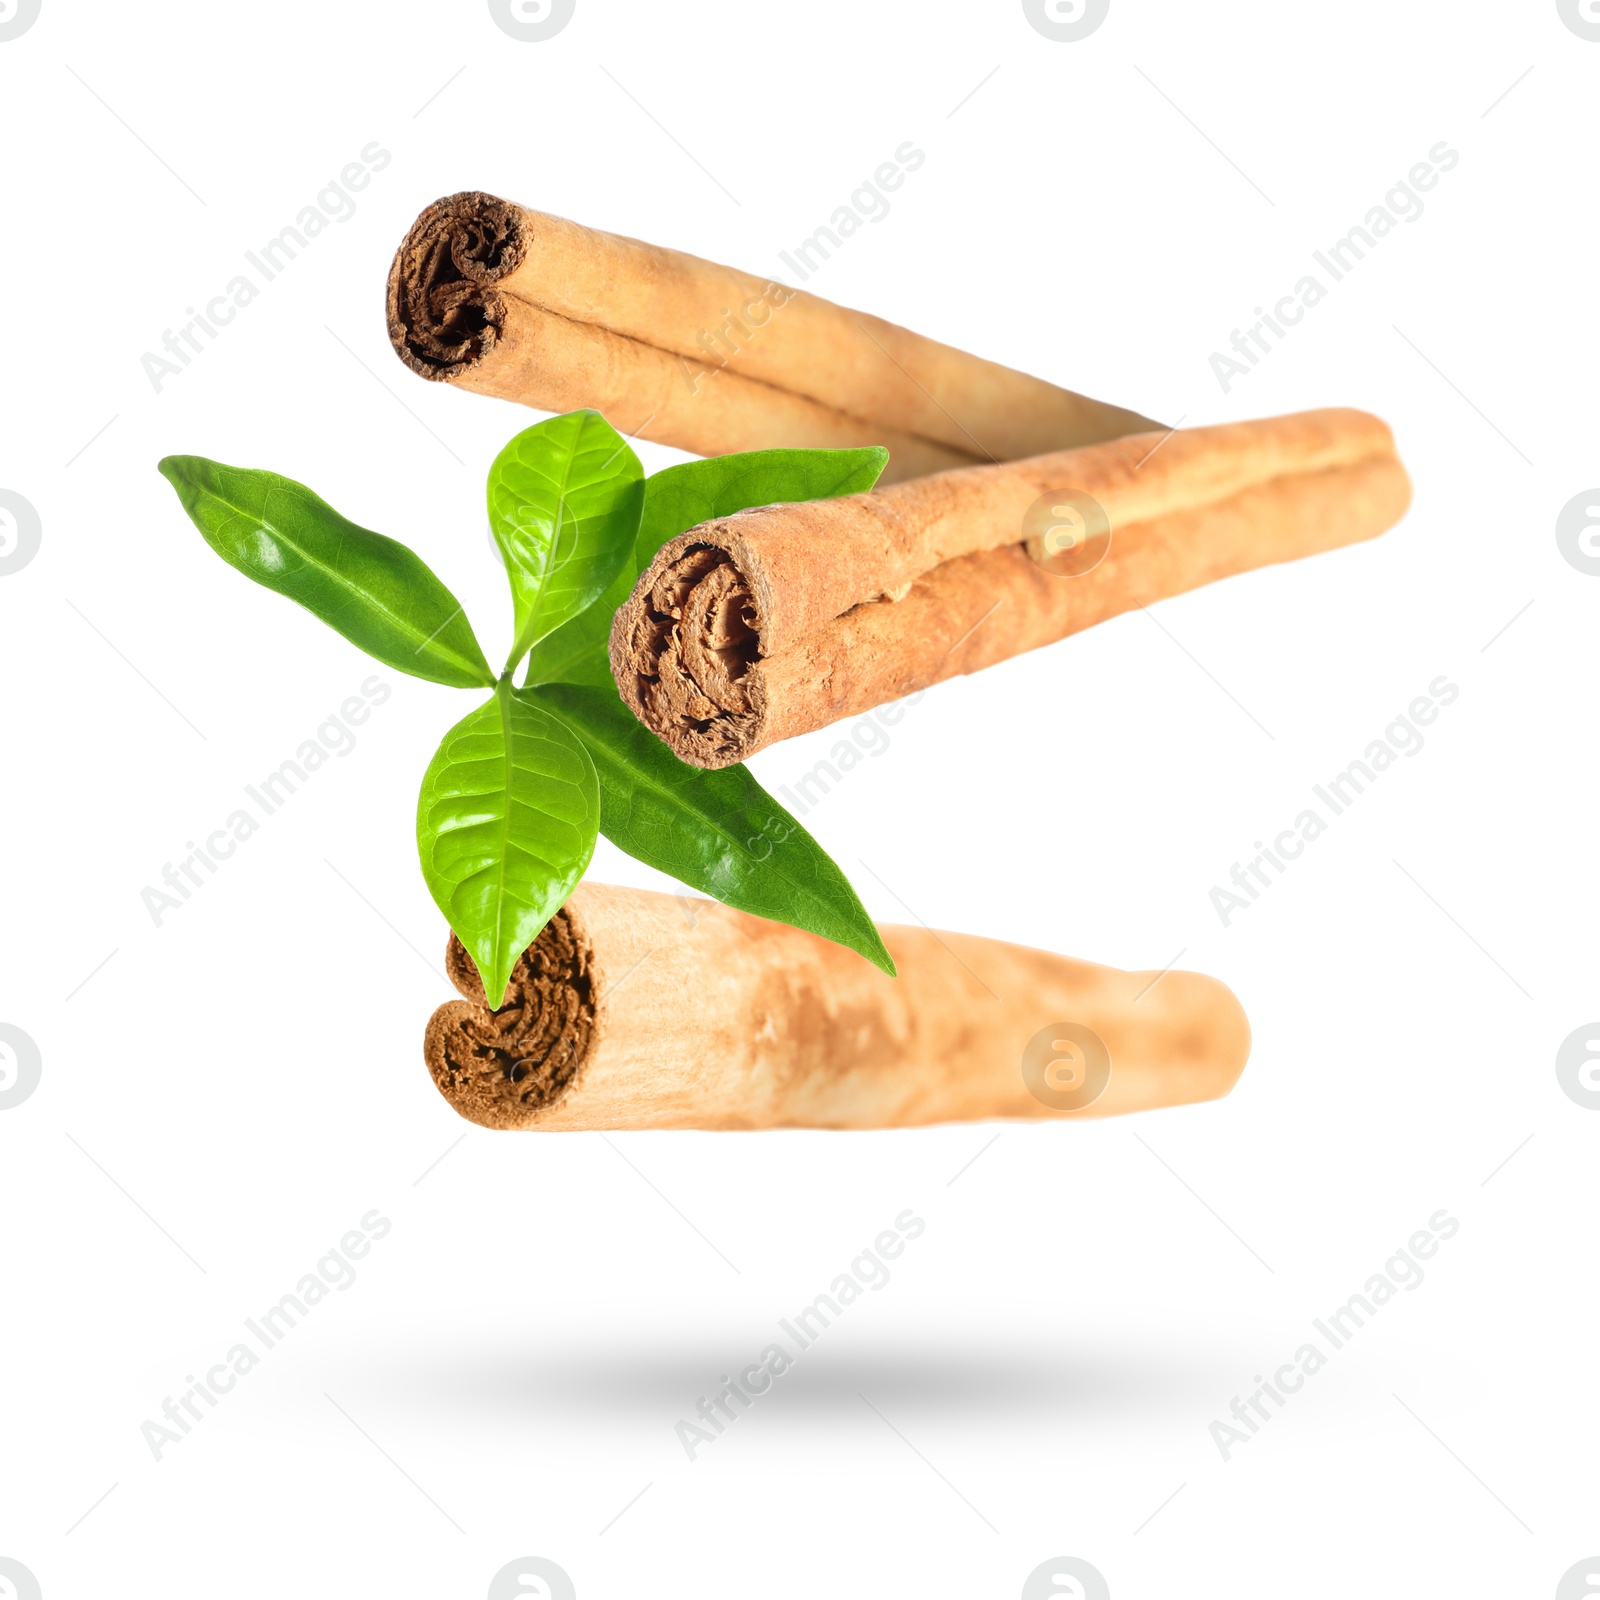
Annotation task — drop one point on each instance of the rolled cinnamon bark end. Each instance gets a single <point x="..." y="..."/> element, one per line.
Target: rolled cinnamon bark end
<point x="445" y="311"/>
<point x="501" y="1068"/>
<point x="778" y="621"/>
<point x="533" y="308"/>
<point x="640" y="1010"/>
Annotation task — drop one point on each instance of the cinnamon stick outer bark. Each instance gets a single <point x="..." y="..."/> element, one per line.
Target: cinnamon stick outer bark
<point x="774" y="622"/>
<point x="511" y="302"/>
<point x="640" y="1010"/>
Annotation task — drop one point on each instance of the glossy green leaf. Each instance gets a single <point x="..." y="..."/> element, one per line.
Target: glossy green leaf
<point x="719" y="832"/>
<point x="577" y="651"/>
<point x="564" y="503"/>
<point x="679" y="498"/>
<point x="506" y="824"/>
<point x="375" y="591"/>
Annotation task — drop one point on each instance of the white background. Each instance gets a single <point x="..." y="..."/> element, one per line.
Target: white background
<point x="225" y="1095"/>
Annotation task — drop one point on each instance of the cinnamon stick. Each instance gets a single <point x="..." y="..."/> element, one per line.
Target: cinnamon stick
<point x="511" y="302"/>
<point x="639" y="1010"/>
<point x="757" y="627"/>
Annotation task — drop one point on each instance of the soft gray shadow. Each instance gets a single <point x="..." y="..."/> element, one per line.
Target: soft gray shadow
<point x="622" y="1382"/>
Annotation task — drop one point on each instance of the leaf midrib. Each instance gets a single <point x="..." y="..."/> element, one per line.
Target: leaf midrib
<point x="503" y="701"/>
<point x="519" y="648"/>
<point x="809" y="893"/>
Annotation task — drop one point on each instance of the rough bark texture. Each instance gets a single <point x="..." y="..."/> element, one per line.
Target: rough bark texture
<point x="777" y="621"/>
<point x="642" y="1010"/>
<point x="529" y="307"/>
<point x="502" y="1067"/>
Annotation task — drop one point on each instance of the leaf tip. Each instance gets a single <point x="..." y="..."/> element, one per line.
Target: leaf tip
<point x="879" y="456"/>
<point x="183" y="474"/>
<point x="868" y="943"/>
<point x="495" y="975"/>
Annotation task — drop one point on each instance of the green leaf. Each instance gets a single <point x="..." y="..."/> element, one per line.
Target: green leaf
<point x="376" y="592"/>
<point x="506" y="824"/>
<point x="577" y="651"/>
<point x="564" y="503"/>
<point x="679" y="498"/>
<point x="719" y="832"/>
